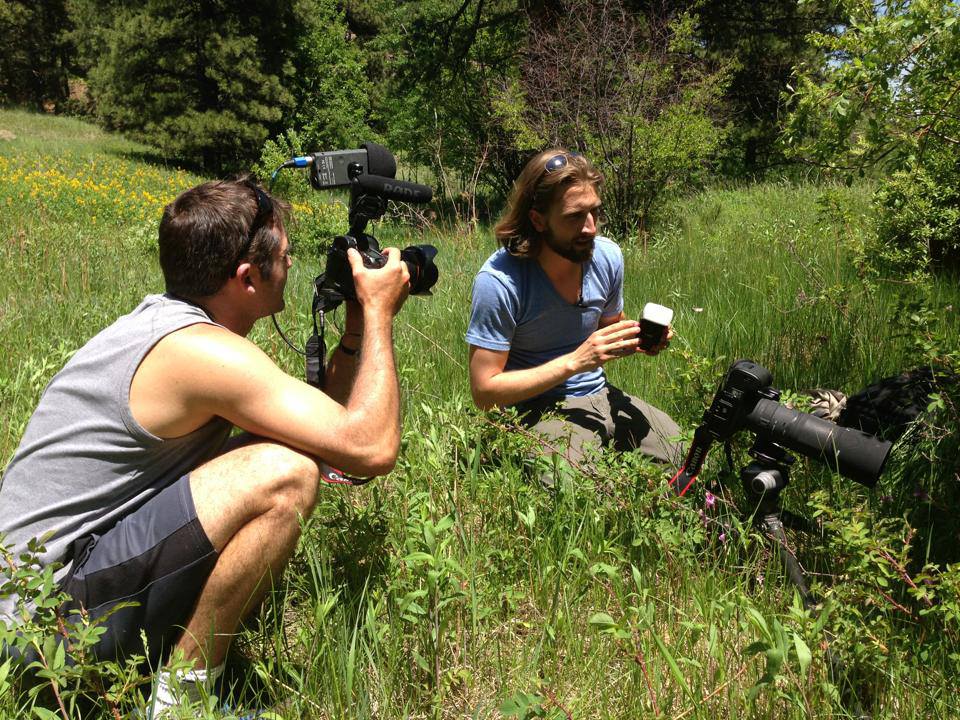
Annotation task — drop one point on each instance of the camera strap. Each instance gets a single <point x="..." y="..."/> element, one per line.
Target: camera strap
<point x="337" y="477"/>
<point x="686" y="475"/>
<point x="316" y="351"/>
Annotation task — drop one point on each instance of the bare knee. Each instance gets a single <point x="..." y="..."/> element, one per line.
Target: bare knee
<point x="257" y="479"/>
<point x="293" y="477"/>
<point x="286" y="479"/>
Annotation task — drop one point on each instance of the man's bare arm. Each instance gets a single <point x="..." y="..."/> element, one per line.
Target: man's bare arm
<point x="491" y="385"/>
<point x="204" y="371"/>
<point x="344" y="359"/>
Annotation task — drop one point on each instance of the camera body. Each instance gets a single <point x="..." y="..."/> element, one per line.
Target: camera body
<point x="336" y="283"/>
<point x="744" y="384"/>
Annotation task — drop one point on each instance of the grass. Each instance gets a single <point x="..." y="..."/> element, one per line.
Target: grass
<point x="455" y="588"/>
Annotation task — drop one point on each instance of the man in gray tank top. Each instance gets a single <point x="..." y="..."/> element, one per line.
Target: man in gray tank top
<point x="125" y="469"/>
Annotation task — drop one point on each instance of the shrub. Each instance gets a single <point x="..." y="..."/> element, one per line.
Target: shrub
<point x="918" y="216"/>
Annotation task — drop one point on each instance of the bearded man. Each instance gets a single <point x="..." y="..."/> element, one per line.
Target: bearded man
<point x="547" y="314"/>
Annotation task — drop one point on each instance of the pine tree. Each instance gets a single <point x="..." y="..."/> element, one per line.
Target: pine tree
<point x="201" y="80"/>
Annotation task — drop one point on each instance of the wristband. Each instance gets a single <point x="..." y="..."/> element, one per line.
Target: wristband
<point x="350" y="352"/>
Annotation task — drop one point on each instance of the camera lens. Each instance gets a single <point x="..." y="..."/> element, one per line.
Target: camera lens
<point x="423" y="273"/>
<point x="852" y="453"/>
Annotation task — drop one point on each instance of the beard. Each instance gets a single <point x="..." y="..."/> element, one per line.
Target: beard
<point x="573" y="250"/>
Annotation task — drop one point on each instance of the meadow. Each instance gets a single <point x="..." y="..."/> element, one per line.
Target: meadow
<point x="455" y="587"/>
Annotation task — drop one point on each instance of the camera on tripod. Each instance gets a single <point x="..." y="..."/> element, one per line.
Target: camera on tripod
<point x="746" y="401"/>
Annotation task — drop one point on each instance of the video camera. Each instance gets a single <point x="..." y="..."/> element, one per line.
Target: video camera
<point x="369" y="173"/>
<point x="746" y="401"/>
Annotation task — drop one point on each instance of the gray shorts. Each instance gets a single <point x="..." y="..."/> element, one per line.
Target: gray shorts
<point x="158" y="557"/>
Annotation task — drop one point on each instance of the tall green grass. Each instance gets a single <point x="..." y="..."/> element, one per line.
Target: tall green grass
<point x="456" y="588"/>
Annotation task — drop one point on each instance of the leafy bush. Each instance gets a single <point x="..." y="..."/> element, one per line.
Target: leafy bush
<point x="885" y="96"/>
<point x="51" y="663"/>
<point x="330" y="88"/>
<point x="648" y="116"/>
<point x="918" y="216"/>
<point x="317" y="216"/>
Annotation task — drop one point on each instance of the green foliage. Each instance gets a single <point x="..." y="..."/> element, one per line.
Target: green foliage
<point x="523" y="705"/>
<point x="435" y="585"/>
<point x="873" y="621"/>
<point x="889" y="90"/>
<point x="51" y="663"/>
<point x="36" y="54"/>
<point x="918" y="217"/>
<point x="648" y="115"/>
<point x="207" y="83"/>
<point x="447" y="62"/>
<point x="330" y="89"/>
<point x="888" y="96"/>
<point x="609" y="598"/>
<point x="317" y="216"/>
<point x="202" y="82"/>
<point x="762" y="41"/>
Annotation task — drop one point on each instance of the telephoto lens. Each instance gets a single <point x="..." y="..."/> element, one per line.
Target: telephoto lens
<point x="852" y="453"/>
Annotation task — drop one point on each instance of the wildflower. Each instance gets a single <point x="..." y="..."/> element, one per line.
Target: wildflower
<point x="722" y="537"/>
<point x="709" y="499"/>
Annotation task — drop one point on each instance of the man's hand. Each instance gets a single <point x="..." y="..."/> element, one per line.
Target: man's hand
<point x="616" y="340"/>
<point x="380" y="291"/>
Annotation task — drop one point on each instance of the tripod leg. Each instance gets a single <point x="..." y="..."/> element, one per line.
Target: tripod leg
<point x="772" y="527"/>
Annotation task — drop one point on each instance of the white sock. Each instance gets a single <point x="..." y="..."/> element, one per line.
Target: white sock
<point x="187" y="688"/>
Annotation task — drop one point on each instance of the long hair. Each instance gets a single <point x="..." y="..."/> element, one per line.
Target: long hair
<point x="536" y="189"/>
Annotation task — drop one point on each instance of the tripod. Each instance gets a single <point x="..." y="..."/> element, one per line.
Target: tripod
<point x="763" y="479"/>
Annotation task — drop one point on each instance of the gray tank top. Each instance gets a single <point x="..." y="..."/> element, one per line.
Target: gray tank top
<point x="84" y="461"/>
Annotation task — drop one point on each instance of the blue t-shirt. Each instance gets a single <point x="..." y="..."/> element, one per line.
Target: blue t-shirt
<point x="516" y="308"/>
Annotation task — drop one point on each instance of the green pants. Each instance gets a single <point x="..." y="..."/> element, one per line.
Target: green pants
<point x="578" y="426"/>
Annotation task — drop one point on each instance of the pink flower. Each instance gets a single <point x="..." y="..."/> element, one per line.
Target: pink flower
<point x="709" y="500"/>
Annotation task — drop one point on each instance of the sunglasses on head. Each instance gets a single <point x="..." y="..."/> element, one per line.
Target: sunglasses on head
<point x="264" y="211"/>
<point x="558" y="161"/>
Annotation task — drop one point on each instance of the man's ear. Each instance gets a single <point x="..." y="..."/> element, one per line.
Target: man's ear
<point x="538" y="220"/>
<point x="245" y="276"/>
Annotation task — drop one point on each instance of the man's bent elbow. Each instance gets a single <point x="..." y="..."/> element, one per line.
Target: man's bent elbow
<point x="369" y="464"/>
<point x="379" y="457"/>
<point x="483" y="400"/>
<point x="382" y="465"/>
